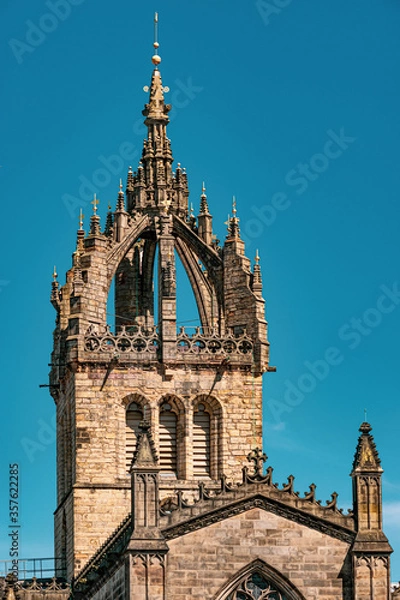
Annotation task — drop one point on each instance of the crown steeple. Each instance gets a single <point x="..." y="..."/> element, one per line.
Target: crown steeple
<point x="155" y="188"/>
<point x="145" y="367"/>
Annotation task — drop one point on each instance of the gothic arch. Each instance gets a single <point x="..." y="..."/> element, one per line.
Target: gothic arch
<point x="211" y="401"/>
<point x="118" y="253"/>
<point x="191" y="250"/>
<point x="203" y="291"/>
<point x="286" y="590"/>
<point x="135" y="397"/>
<point x="136" y="408"/>
<point x="176" y="401"/>
<point x="171" y="435"/>
<point x="215" y="448"/>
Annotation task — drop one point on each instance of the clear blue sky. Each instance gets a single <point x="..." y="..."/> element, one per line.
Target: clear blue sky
<point x="295" y="112"/>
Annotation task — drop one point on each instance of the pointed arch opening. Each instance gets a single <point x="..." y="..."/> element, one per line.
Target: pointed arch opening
<point x="171" y="437"/>
<point x="135" y="412"/>
<point x="207" y="446"/>
<point x="133" y="274"/>
<point x="259" y="581"/>
<point x="134" y="286"/>
<point x="168" y="450"/>
<point x="187" y="310"/>
<point x="201" y="441"/>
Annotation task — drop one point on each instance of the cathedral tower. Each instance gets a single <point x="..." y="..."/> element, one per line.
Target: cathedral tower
<point x="199" y="391"/>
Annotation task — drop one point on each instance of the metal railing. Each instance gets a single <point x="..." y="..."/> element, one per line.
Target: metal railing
<point x="27" y="568"/>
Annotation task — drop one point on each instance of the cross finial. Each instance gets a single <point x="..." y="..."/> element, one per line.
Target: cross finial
<point x="257" y="458"/>
<point x="95" y="202"/>
<point x="257" y="257"/>
<point x="81" y="217"/>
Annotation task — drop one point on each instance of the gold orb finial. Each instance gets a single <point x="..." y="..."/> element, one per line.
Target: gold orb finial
<point x="156" y="59"/>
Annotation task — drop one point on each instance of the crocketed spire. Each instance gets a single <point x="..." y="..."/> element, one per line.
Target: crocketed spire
<point x="95" y="219"/>
<point x="366" y="457"/>
<point x="121" y="198"/>
<point x="257" y="280"/>
<point x="204" y="210"/>
<point x="156" y="109"/>
<point x="233" y="222"/>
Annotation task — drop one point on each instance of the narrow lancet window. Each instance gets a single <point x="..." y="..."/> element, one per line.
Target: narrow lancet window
<point x="134" y="415"/>
<point x="168" y="440"/>
<point x="201" y="442"/>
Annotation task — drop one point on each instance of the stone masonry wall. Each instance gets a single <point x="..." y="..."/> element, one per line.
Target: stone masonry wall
<point x="114" y="589"/>
<point x="201" y="563"/>
<point x="100" y="496"/>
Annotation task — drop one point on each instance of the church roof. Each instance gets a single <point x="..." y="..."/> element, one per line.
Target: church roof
<point x="179" y="517"/>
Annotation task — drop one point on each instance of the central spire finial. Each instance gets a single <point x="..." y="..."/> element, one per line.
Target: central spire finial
<point x="95" y="202"/>
<point x="156" y="59"/>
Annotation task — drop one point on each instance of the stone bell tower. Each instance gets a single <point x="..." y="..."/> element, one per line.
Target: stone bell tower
<point x="199" y="391"/>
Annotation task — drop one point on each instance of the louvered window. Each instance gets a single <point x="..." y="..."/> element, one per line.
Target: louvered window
<point x="134" y="416"/>
<point x="167" y="436"/>
<point x="201" y="442"/>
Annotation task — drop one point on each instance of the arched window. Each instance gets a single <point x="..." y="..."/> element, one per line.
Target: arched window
<point x="259" y="581"/>
<point x="168" y="440"/>
<point x="256" y="587"/>
<point x="201" y="441"/>
<point x="207" y="438"/>
<point x="134" y="415"/>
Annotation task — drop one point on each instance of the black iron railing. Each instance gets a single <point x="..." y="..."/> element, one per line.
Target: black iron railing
<point x="27" y="568"/>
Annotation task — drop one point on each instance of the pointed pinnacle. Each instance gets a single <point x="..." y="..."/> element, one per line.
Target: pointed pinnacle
<point x="95" y="203"/>
<point x="204" y="210"/>
<point x="234" y="210"/>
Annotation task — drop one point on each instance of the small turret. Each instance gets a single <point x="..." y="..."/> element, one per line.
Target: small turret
<point x="95" y="219"/>
<point x="120" y="215"/>
<point x="256" y="285"/>
<point x="145" y="470"/>
<point x="371" y="549"/>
